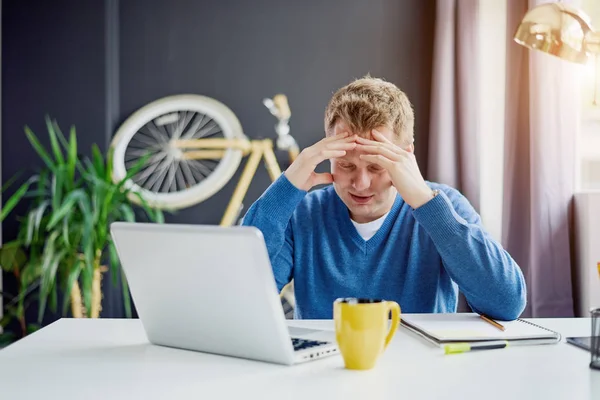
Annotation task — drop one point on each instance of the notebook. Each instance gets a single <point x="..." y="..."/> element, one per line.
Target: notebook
<point x="469" y="327"/>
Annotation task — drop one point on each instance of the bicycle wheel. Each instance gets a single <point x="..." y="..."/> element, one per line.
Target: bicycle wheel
<point x="168" y="180"/>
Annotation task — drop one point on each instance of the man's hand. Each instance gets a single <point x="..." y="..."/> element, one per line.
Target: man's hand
<point x="302" y="171"/>
<point x="400" y="164"/>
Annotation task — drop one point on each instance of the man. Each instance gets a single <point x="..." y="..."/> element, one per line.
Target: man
<point x="380" y="231"/>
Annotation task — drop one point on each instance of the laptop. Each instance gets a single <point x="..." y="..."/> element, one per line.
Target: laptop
<point x="211" y="289"/>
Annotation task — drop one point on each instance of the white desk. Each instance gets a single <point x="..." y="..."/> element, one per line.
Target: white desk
<point x="112" y="359"/>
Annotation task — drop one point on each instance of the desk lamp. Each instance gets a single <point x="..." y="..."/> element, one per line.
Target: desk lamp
<point x="563" y="31"/>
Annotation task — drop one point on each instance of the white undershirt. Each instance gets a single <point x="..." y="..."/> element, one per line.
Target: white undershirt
<point x="368" y="229"/>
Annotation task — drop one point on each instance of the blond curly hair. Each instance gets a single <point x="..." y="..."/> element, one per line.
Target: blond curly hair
<point x="368" y="103"/>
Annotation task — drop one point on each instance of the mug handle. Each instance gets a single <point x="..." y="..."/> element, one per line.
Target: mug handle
<point x="395" y="309"/>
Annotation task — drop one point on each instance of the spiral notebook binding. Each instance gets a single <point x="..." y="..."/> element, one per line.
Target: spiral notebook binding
<point x="558" y="335"/>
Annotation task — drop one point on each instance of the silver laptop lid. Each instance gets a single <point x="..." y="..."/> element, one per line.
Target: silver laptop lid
<point x="205" y="288"/>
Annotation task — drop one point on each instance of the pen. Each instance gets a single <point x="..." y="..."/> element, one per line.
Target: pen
<point x="491" y="321"/>
<point x="456" y="348"/>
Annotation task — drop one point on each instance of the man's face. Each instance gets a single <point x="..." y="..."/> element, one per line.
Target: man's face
<point x="365" y="188"/>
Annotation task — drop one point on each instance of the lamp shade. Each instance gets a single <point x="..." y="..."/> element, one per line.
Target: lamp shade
<point x="560" y="30"/>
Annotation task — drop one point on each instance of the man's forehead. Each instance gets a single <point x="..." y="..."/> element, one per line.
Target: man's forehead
<point x="353" y="156"/>
<point x="342" y="126"/>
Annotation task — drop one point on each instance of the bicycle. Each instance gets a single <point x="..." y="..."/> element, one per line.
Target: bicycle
<point x="194" y="145"/>
<point x="179" y="134"/>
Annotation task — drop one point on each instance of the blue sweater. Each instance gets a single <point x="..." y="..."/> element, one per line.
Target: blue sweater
<point x="418" y="258"/>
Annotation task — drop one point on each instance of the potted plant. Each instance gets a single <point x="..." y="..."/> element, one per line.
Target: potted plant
<point x="64" y="241"/>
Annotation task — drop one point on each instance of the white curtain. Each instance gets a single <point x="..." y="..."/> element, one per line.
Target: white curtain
<point x="542" y="119"/>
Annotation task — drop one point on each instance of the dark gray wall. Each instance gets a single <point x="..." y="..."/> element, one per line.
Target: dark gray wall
<point x="241" y="51"/>
<point x="52" y="63"/>
<point x="93" y="63"/>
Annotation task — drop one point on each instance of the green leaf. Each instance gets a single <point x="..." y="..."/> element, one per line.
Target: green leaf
<point x="159" y="216"/>
<point x="65" y="232"/>
<point x="136" y="168"/>
<point x="12" y="255"/>
<point x="85" y="207"/>
<point x="39" y="214"/>
<point x="39" y="148"/>
<point x="126" y="296"/>
<point x="61" y="137"/>
<point x="71" y="279"/>
<point x="30" y="224"/>
<point x="44" y="182"/>
<point x="58" y="180"/>
<point x="98" y="160"/>
<point x="149" y="210"/>
<point x="75" y="196"/>
<point x="50" y="262"/>
<point x="67" y="146"/>
<point x="31" y="272"/>
<point x="4" y="321"/>
<point x="54" y="143"/>
<point x="87" y="274"/>
<point x="127" y="212"/>
<point x="154" y="214"/>
<point x="72" y="155"/>
<point x="109" y="164"/>
<point x="12" y="202"/>
<point x="11" y="181"/>
<point x="32" y="328"/>
<point x="114" y="261"/>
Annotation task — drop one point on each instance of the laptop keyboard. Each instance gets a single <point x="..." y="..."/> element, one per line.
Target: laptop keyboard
<point x="301" y="344"/>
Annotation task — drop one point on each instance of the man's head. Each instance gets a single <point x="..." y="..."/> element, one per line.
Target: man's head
<point x="358" y="108"/>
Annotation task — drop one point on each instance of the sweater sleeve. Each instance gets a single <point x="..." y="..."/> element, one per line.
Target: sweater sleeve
<point x="490" y="279"/>
<point x="272" y="213"/>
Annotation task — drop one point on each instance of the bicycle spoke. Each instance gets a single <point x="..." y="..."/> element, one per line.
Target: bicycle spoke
<point x="143" y="139"/>
<point x="191" y="178"/>
<point x="141" y="132"/>
<point x="151" y="133"/>
<point x="170" y="179"/>
<point x="149" y="170"/>
<point x="164" y="131"/>
<point x="171" y="127"/>
<point x="194" y="168"/>
<point x="160" y="177"/>
<point x="201" y="127"/>
<point x="151" y="161"/>
<point x="180" y="178"/>
<point x="192" y="130"/>
<point x="212" y="134"/>
<point x="205" y="131"/>
<point x="183" y="123"/>
<point x="203" y="168"/>
<point x="166" y="170"/>
<point x="140" y="152"/>
<point x="137" y="146"/>
<point x="155" y="131"/>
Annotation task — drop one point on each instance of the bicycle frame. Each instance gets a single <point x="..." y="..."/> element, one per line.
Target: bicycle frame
<point x="256" y="149"/>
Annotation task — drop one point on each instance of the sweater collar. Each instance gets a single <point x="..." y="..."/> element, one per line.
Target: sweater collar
<point x="347" y="228"/>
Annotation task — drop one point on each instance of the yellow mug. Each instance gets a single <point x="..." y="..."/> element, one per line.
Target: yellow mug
<point x="361" y="329"/>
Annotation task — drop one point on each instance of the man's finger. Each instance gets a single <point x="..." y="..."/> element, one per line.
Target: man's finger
<point x="323" y="178"/>
<point x="341" y="146"/>
<point x="383" y="150"/>
<point x="378" y="159"/>
<point x="325" y="155"/>
<point x="364" y="140"/>
<point x="380" y="137"/>
<point x="340" y="136"/>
